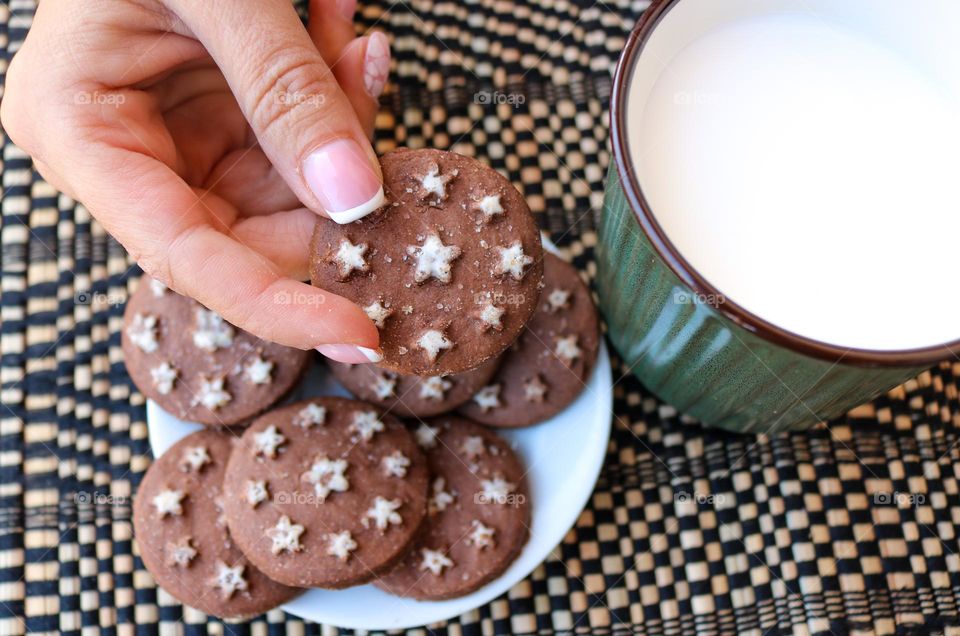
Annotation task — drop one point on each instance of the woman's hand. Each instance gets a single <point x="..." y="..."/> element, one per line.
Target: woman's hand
<point x="196" y="132"/>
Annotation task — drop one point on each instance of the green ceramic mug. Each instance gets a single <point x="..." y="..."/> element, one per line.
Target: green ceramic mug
<point x="697" y="349"/>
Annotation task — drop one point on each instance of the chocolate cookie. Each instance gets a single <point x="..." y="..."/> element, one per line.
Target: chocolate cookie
<point x="478" y="514"/>
<point x="325" y="493"/>
<point x="196" y="365"/>
<point x="449" y="269"/>
<point x="412" y="395"/>
<point x="548" y="366"/>
<point x="183" y="539"/>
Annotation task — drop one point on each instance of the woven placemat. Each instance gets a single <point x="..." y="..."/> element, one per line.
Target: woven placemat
<point x="848" y="528"/>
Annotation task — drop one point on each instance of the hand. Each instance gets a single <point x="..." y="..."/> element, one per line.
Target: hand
<point x="196" y="132"/>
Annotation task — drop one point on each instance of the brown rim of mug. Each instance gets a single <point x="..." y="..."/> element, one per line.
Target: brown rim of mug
<point x="926" y="356"/>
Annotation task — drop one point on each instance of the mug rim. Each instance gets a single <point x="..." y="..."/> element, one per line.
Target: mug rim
<point x="670" y="255"/>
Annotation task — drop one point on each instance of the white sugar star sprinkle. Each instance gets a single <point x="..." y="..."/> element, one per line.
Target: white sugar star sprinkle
<point x="435" y="184"/>
<point x="143" y="332"/>
<point x="167" y="502"/>
<point x="164" y="377"/>
<point x="488" y="398"/>
<point x="211" y="332"/>
<point x="495" y="490"/>
<point x="512" y="261"/>
<point x="311" y="415"/>
<point x="433" y="342"/>
<point x="258" y="370"/>
<point x="349" y="257"/>
<point x="377" y="313"/>
<point x="383" y="512"/>
<point x="434" y="259"/>
<point x="285" y="536"/>
<point x="212" y="395"/>
<point x="268" y="441"/>
<point x="327" y="475"/>
<point x="474" y="447"/>
<point x="181" y="553"/>
<point x="534" y="390"/>
<point x="366" y="424"/>
<point x="567" y="350"/>
<point x="557" y="299"/>
<point x="490" y="317"/>
<point x="490" y="206"/>
<point x="229" y="580"/>
<point x="157" y="288"/>
<point x="426" y="436"/>
<point x="434" y="388"/>
<point x="257" y="492"/>
<point x="383" y="386"/>
<point x="481" y="536"/>
<point x="341" y="545"/>
<point x="441" y="498"/>
<point x="396" y="464"/>
<point x="435" y="561"/>
<point x="194" y="459"/>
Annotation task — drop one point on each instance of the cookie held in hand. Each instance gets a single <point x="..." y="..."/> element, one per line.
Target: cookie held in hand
<point x="449" y="269"/>
<point x="196" y="365"/>
<point x="183" y="538"/>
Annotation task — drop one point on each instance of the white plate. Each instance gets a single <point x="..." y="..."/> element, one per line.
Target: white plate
<point x="563" y="457"/>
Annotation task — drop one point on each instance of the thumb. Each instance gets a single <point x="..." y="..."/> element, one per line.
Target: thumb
<point x="303" y="121"/>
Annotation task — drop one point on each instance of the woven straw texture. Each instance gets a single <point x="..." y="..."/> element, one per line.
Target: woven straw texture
<point x="849" y="528"/>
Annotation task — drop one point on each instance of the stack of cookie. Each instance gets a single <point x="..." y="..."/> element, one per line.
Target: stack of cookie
<point x="332" y="492"/>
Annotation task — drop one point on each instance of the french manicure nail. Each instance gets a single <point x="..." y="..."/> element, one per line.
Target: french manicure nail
<point x="347" y="8"/>
<point x="350" y="353"/>
<point x="376" y="64"/>
<point x="340" y="176"/>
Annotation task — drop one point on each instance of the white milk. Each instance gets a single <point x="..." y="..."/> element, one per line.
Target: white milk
<point x="810" y="172"/>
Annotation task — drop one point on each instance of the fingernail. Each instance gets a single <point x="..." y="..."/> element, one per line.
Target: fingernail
<point x="376" y="64"/>
<point x="350" y="353"/>
<point x="347" y="8"/>
<point x="341" y="177"/>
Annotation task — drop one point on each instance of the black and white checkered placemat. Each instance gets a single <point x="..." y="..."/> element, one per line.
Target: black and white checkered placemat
<point x="849" y="528"/>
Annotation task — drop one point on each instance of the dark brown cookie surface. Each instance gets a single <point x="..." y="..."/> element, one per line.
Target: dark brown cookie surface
<point x="325" y="493"/>
<point x="449" y="269"/>
<point x="548" y="366"/>
<point x="478" y="514"/>
<point x="412" y="395"/>
<point x="183" y="538"/>
<point x="196" y="365"/>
